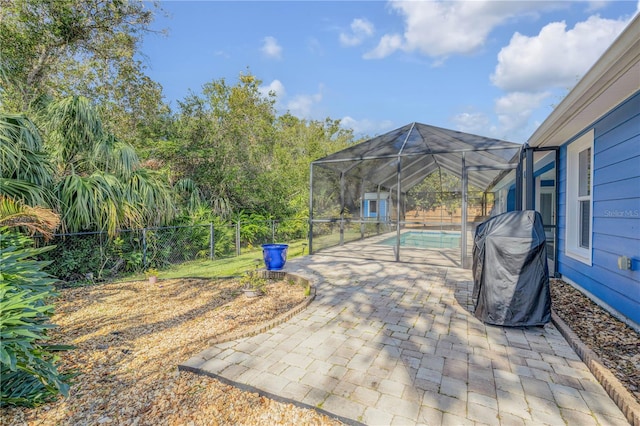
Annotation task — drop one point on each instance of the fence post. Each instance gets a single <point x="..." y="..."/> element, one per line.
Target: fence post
<point x="144" y="248"/>
<point x="211" y="242"/>
<point x="273" y="231"/>
<point x="238" y="238"/>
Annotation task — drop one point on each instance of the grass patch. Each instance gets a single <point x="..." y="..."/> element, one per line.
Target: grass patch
<point x="249" y="260"/>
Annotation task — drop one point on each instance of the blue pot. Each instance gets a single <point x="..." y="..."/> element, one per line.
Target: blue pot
<point x="275" y="256"/>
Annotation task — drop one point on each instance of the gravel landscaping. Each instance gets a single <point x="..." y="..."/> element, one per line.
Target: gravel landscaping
<point x="129" y="338"/>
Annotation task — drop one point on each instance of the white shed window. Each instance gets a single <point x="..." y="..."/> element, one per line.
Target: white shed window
<point x="579" y="183"/>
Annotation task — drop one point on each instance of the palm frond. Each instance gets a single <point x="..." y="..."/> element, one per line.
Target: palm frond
<point x="33" y="220"/>
<point x="26" y="192"/>
<point x="74" y="129"/>
<point x="116" y="157"/>
<point x="189" y="192"/>
<point x="152" y="195"/>
<point x="92" y="202"/>
<point x="21" y="151"/>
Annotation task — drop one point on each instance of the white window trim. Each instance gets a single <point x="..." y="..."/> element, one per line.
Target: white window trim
<point x="572" y="228"/>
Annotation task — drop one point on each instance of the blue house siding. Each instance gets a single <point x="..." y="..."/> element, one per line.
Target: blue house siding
<point x="616" y="212"/>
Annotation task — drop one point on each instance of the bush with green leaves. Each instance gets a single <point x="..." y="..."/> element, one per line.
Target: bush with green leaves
<point x="77" y="256"/>
<point x="255" y="228"/>
<point x="28" y="371"/>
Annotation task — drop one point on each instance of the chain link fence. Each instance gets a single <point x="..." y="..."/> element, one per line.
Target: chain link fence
<point x="96" y="256"/>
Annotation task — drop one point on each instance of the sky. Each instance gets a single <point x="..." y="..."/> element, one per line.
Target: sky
<point x="492" y="68"/>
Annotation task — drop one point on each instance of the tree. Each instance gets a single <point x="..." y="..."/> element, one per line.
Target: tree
<point x="242" y="156"/>
<point x="299" y="142"/>
<point x="223" y="140"/>
<point x="53" y="49"/>
<point x="94" y="181"/>
<point x="100" y="182"/>
<point x="439" y="189"/>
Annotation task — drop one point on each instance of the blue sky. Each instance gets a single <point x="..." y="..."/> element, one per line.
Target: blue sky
<point x="493" y="68"/>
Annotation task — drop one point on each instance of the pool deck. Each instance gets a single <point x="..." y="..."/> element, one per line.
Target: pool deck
<point x="371" y="249"/>
<point x="387" y="343"/>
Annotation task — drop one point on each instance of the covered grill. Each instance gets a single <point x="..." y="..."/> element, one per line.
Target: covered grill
<point x="510" y="273"/>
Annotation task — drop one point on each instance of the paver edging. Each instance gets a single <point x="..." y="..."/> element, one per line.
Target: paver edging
<point x="261" y="328"/>
<point x="618" y="393"/>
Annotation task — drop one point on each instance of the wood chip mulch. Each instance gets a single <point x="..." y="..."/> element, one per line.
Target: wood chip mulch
<point x="129" y="338"/>
<point x="615" y="343"/>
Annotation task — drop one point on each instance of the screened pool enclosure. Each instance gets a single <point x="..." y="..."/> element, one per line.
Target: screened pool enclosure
<point x="414" y="194"/>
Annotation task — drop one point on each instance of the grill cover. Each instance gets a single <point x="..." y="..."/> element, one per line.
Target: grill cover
<point x="510" y="274"/>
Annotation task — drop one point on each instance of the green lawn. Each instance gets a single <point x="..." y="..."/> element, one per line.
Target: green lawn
<point x="225" y="267"/>
<point x="247" y="261"/>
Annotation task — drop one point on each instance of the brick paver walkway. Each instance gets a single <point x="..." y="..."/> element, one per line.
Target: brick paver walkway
<point x="389" y="343"/>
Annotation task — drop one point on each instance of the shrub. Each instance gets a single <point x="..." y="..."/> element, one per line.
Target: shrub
<point x="28" y="372"/>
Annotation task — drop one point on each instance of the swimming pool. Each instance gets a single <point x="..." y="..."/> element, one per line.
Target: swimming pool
<point x="426" y="239"/>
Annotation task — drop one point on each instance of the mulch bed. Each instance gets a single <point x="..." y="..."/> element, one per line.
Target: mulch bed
<point x="129" y="338"/>
<point x="615" y="343"/>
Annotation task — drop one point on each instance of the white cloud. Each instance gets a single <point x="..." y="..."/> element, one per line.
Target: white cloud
<point x="388" y="44"/>
<point x="366" y="127"/>
<point x="556" y="57"/>
<point x="594" y="5"/>
<point x="442" y="28"/>
<point x="472" y="122"/>
<point x="271" y="48"/>
<point x="514" y="111"/>
<point x="302" y="105"/>
<point x="360" y="29"/>
<point x="276" y="87"/>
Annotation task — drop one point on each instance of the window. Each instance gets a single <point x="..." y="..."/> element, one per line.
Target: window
<point x="579" y="189"/>
<point x="373" y="207"/>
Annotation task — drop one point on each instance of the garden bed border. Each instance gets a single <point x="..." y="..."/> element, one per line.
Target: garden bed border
<point x="618" y="393"/>
<point x="285" y="316"/>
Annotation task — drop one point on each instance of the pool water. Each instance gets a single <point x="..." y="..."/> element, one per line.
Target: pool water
<point x="426" y="239"/>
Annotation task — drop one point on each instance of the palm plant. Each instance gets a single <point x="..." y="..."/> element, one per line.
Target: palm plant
<point x="26" y="172"/>
<point x="101" y="182"/>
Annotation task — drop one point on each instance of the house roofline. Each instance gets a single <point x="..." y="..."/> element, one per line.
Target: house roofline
<point x="611" y="80"/>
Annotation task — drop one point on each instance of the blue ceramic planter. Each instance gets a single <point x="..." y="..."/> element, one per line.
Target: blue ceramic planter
<point x="275" y="256"/>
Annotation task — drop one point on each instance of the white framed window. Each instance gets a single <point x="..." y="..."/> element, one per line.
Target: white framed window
<point x="579" y="220"/>
<point x="373" y="207"/>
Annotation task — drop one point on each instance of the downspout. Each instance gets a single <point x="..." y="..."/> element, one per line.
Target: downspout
<point x="529" y="180"/>
<point x="518" y="200"/>
<point x="556" y="229"/>
<point x="362" y="202"/>
<point x="378" y="205"/>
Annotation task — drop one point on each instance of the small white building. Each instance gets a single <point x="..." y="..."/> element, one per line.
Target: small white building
<point x="375" y="205"/>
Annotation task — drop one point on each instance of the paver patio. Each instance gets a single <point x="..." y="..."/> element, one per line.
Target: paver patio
<point x="389" y="343"/>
